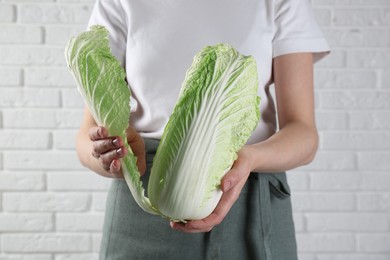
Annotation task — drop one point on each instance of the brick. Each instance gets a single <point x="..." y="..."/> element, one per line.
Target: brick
<point x="350" y="2"/>
<point x="1" y="161"/>
<point x="357" y="37"/>
<point x="32" y="55"/>
<point x="89" y="256"/>
<point x="316" y="98"/>
<point x="26" y="257"/>
<point x="41" y="160"/>
<point x="329" y="120"/>
<point x="374" y="160"/>
<point x="298" y="180"/>
<point x="91" y="222"/>
<point x="367" y="181"/>
<point x="323" y="16"/>
<point x="373" y="243"/>
<point x="356" y="141"/>
<point x="46" y="243"/>
<point x="76" y="1"/>
<point x="29" y="1"/>
<point x="323" y="201"/>
<point x="7" y="13"/>
<point x="99" y="201"/>
<point x="375" y="181"/>
<point x="25" y="222"/>
<point x="22" y="97"/>
<point x="71" y="98"/>
<point x="12" y="34"/>
<point x="18" y="181"/>
<point x="352" y="222"/>
<point x="69" y="118"/>
<point x="61" y="34"/>
<point x="335" y="180"/>
<point x="96" y="241"/>
<point x="45" y="202"/>
<point x="23" y="118"/>
<point x="64" y="139"/>
<point x="333" y="242"/>
<point x="55" y="13"/>
<point x="48" y="77"/>
<point x="337" y="59"/>
<point x="299" y="222"/>
<point x="385" y="80"/>
<point x="303" y="256"/>
<point x="332" y="161"/>
<point x="359" y="16"/>
<point x="10" y="77"/>
<point x="345" y="78"/>
<point x="355" y="100"/>
<point x="374" y="202"/>
<point x="369" y="120"/>
<point x="75" y="181"/>
<point x="11" y="139"/>
<point x="349" y="181"/>
<point x="352" y="257"/>
<point x="374" y="58"/>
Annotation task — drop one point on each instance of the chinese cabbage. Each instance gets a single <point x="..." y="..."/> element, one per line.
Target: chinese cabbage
<point x="215" y="114"/>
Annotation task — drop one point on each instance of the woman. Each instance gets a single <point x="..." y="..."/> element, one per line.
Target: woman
<point x="155" y="42"/>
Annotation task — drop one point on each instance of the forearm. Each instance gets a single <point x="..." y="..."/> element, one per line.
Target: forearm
<point x="293" y="146"/>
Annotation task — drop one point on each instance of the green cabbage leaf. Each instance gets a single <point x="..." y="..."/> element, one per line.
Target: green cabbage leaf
<point x="101" y="82"/>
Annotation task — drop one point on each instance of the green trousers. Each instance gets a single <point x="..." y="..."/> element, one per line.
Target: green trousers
<point x="258" y="226"/>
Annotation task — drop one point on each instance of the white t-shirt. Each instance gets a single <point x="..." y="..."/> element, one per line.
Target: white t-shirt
<point x="156" y="41"/>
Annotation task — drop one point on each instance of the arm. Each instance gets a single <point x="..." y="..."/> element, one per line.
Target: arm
<point x="295" y="144"/>
<point x="100" y="152"/>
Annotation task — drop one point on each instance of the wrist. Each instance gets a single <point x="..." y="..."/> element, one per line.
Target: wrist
<point x="247" y="155"/>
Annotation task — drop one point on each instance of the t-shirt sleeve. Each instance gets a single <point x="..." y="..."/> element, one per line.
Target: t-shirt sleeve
<point x="109" y="13"/>
<point x="297" y="30"/>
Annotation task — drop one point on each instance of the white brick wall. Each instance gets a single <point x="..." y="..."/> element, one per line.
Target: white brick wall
<point x="52" y="209"/>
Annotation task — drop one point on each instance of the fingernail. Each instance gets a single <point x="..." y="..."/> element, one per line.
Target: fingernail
<point x="115" y="142"/>
<point x="119" y="151"/>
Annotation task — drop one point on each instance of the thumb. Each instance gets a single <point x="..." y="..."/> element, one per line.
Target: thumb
<point x="234" y="176"/>
<point x="239" y="172"/>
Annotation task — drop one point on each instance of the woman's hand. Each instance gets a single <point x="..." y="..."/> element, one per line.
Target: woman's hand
<point x="231" y="185"/>
<point x="109" y="149"/>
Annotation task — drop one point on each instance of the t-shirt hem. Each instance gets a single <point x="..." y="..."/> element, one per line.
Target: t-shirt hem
<point x="318" y="46"/>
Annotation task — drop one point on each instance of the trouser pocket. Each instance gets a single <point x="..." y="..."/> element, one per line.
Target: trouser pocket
<point x="278" y="185"/>
<point x="270" y="184"/>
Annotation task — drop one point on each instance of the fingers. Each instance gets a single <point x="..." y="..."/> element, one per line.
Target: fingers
<point x="107" y="158"/>
<point x="215" y="218"/>
<point x="106" y="145"/>
<point x="97" y="133"/>
<point x="231" y="185"/>
<point x="108" y="150"/>
<point x="115" y="169"/>
<point x="239" y="171"/>
<point x="109" y="161"/>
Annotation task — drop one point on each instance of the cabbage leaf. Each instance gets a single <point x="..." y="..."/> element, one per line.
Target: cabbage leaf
<point x="215" y="115"/>
<point x="101" y="82"/>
